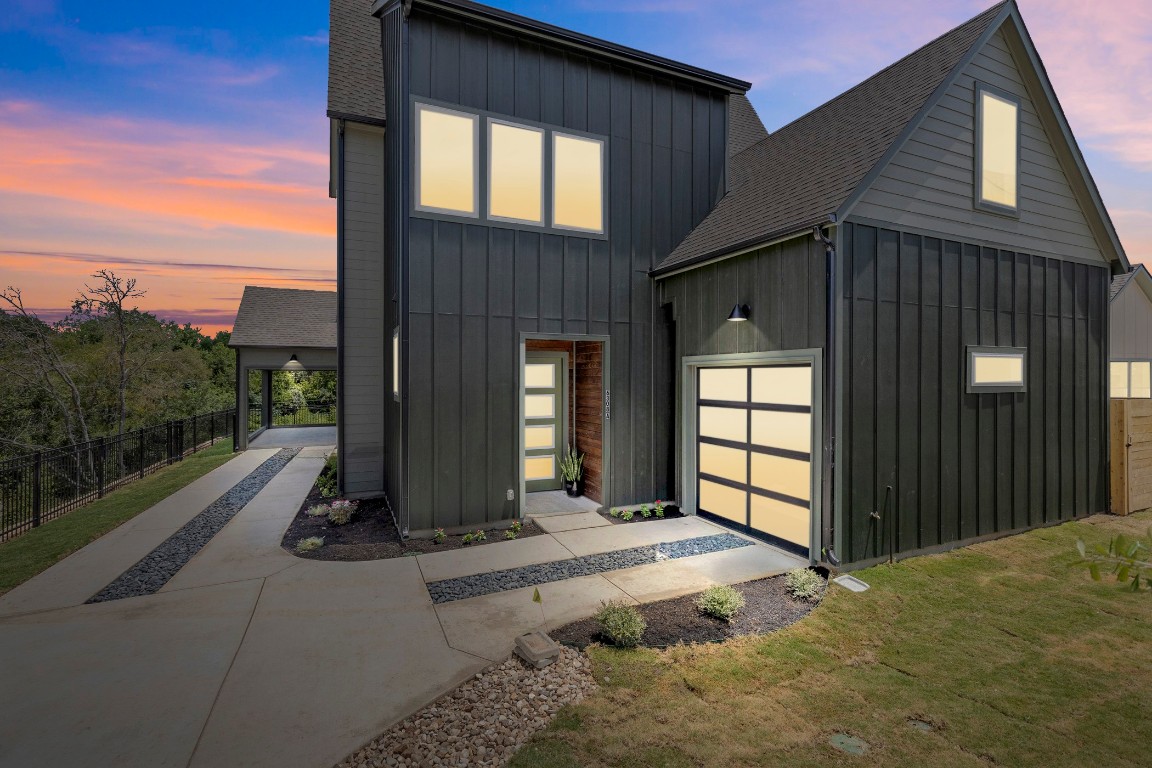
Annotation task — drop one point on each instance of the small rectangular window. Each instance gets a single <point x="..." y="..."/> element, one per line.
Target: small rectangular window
<point x="1118" y="379"/>
<point x="515" y="173"/>
<point x="1140" y="379"/>
<point x="577" y="183"/>
<point x="446" y="159"/>
<point x="998" y="151"/>
<point x="996" y="369"/>
<point x="396" y="363"/>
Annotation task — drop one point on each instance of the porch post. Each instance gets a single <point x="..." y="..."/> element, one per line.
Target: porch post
<point x="266" y="398"/>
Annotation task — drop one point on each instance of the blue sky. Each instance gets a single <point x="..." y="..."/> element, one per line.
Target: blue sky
<point x="186" y="143"/>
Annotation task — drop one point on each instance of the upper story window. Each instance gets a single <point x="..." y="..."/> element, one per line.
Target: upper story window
<point x="997" y="151"/>
<point x="534" y="177"/>
<point x="446" y="160"/>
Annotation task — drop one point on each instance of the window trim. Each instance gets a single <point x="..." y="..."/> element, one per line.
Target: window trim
<point x="552" y="171"/>
<point x="544" y="173"/>
<point x="417" y="177"/>
<point x="972" y="388"/>
<point x="978" y="157"/>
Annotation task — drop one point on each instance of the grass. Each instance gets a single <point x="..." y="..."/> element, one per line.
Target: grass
<point x="35" y="551"/>
<point x="1013" y="657"/>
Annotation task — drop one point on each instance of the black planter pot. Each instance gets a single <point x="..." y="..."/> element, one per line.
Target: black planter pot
<point x="572" y="487"/>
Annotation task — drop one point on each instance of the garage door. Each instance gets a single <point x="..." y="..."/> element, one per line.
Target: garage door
<point x="754" y="450"/>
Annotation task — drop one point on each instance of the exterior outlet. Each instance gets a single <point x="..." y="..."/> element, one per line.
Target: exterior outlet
<point x="511" y="495"/>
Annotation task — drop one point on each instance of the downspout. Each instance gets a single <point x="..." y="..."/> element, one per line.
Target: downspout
<point x="828" y="552"/>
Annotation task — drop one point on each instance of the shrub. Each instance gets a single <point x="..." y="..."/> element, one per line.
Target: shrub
<point x="439" y="537"/>
<point x="721" y="601"/>
<point x="320" y="510"/>
<point x="509" y="534"/>
<point x="644" y="511"/>
<point x="309" y="544"/>
<point x="327" y="481"/>
<point x="626" y="515"/>
<point x="479" y="536"/>
<point x="516" y="527"/>
<point x="467" y="539"/>
<point x="621" y="623"/>
<point x="341" y="511"/>
<point x="614" y="512"/>
<point x="804" y="583"/>
<point x="659" y="508"/>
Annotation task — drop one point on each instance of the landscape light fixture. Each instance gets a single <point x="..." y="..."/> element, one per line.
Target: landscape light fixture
<point x="739" y="313"/>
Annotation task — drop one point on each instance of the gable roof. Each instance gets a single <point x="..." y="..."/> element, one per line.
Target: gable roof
<point x="1118" y="283"/>
<point x="285" y="317"/>
<point x="1138" y="273"/>
<point x="798" y="176"/>
<point x="355" y="62"/>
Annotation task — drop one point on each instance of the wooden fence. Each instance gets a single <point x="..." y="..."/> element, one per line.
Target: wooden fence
<point x="1131" y="456"/>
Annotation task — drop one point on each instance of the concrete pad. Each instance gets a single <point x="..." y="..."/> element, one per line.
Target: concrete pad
<point x="590" y="541"/>
<point x="488" y="625"/>
<point x="84" y="573"/>
<point x="335" y="653"/>
<point x="486" y="558"/>
<point x="573" y="522"/>
<point x="127" y="683"/>
<point x="295" y="437"/>
<point x="316" y="452"/>
<point x="683" y="576"/>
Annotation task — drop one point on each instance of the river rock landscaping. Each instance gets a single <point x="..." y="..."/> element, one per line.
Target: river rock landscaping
<point x="768" y="606"/>
<point x="485" y="720"/>
<point x="371" y="534"/>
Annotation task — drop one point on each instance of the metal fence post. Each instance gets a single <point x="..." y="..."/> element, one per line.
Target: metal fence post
<point x="37" y="462"/>
<point x="212" y="423"/>
<point x="140" y="435"/>
<point x="195" y="441"/>
<point x="101" y="457"/>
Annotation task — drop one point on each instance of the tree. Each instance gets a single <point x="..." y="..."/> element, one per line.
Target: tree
<point x="1128" y="559"/>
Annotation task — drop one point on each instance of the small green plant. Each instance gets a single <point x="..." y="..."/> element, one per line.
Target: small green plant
<point x="327" y="481"/>
<point x="309" y="544"/>
<point x="571" y="466"/>
<point x="319" y="510"/>
<point x="340" y="512"/>
<point x="1128" y="559"/>
<point x="509" y="534"/>
<point x="479" y="536"/>
<point x="614" y="512"/>
<point x="804" y="584"/>
<point x="621" y="623"/>
<point x="516" y="527"/>
<point x="721" y="601"/>
<point x="645" y="512"/>
<point x="659" y="508"/>
<point x="439" y="537"/>
<point x="626" y="515"/>
<point x="467" y="539"/>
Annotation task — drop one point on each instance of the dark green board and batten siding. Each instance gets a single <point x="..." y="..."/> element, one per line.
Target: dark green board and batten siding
<point x="475" y="288"/>
<point x="965" y="466"/>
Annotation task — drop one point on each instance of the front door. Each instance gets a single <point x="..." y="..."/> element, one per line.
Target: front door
<point x="545" y="407"/>
<point x="754" y="448"/>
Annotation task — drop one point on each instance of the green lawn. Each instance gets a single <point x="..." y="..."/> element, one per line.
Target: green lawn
<point x="1013" y="658"/>
<point x="29" y="554"/>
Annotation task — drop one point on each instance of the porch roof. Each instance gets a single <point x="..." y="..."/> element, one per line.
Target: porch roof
<point x="285" y="317"/>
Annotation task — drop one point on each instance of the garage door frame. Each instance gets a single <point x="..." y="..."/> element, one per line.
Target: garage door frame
<point x="688" y="425"/>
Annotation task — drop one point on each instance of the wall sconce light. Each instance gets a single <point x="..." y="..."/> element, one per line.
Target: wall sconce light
<point x="739" y="313"/>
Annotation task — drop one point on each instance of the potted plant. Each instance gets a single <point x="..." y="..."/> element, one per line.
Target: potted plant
<point x="571" y="470"/>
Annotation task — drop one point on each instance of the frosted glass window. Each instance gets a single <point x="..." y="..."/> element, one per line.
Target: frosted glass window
<point x="728" y="463"/>
<point x="724" y="423"/>
<point x="539" y="467"/>
<point x="1118" y="376"/>
<point x="396" y="363"/>
<point x="577" y="183"/>
<point x="997" y="369"/>
<point x="539" y="406"/>
<point x="539" y="437"/>
<point x="779" y="429"/>
<point x="781" y="519"/>
<point x="724" y="384"/>
<point x="446" y="160"/>
<point x="782" y="386"/>
<point x="539" y="375"/>
<point x="1141" y="381"/>
<point x="515" y="173"/>
<point x="999" y="128"/>
<point x="724" y="501"/>
<point x="790" y="477"/>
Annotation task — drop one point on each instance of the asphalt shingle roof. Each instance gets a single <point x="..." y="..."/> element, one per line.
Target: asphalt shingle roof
<point x="794" y="178"/>
<point x="1119" y="281"/>
<point x="355" y="61"/>
<point x="744" y="126"/>
<point x="285" y="317"/>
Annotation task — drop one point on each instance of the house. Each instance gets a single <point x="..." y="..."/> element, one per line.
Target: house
<point x="877" y="331"/>
<point x="1130" y="333"/>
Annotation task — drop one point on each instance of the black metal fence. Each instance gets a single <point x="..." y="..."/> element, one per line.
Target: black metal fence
<point x="311" y="413"/>
<point x="40" y="486"/>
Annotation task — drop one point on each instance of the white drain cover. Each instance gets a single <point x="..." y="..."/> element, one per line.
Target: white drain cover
<point x="851" y="582"/>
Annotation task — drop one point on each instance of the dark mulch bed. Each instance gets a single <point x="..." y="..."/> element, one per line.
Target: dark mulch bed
<point x="670" y="511"/>
<point x="768" y="607"/>
<point x="370" y="535"/>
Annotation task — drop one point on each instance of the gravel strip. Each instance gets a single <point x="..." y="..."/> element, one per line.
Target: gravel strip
<point x="485" y="720"/>
<point x="161" y="564"/>
<point x="479" y="584"/>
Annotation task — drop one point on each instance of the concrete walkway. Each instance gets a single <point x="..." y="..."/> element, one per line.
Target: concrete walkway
<point x="294" y="437"/>
<point x="250" y="656"/>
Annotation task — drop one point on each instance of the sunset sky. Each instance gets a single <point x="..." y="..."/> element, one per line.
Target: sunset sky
<point x="185" y="144"/>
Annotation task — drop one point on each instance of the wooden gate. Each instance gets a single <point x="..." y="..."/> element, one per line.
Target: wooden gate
<point x="1131" y="456"/>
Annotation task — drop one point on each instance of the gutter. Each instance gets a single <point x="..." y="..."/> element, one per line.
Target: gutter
<point x="741" y="248"/>
<point x="827" y="490"/>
